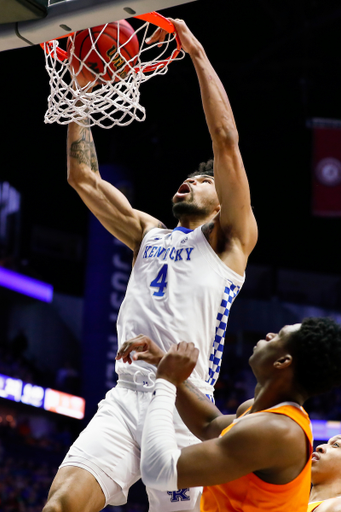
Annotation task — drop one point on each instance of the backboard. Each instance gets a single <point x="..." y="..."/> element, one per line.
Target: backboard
<point x="24" y="23"/>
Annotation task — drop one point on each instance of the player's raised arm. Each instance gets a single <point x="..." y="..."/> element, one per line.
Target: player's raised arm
<point x="105" y="201"/>
<point x="236" y="218"/>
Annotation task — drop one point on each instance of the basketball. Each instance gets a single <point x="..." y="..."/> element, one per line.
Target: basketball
<point x="101" y="52"/>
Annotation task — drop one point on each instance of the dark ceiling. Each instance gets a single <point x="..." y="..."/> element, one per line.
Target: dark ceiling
<point x="281" y="65"/>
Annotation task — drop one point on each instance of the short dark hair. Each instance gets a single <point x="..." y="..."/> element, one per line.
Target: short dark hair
<point x="204" y="169"/>
<point x="316" y="351"/>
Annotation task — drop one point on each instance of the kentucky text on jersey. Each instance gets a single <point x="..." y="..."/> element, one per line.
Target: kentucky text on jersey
<point x="155" y="251"/>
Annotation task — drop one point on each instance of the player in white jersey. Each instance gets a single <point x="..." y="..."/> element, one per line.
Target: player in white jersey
<point x="175" y="276"/>
<point x="181" y="288"/>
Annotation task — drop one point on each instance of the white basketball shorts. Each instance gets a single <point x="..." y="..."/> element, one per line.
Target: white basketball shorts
<point x="109" y="448"/>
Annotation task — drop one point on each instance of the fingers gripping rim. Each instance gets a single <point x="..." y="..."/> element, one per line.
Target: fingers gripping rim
<point x="160" y="21"/>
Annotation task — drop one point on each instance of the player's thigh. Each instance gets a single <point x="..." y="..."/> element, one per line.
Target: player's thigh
<point x="74" y="490"/>
<point x="107" y="447"/>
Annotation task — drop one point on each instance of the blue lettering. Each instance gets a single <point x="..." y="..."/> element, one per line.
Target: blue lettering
<point x="179" y="495"/>
<point x="152" y="251"/>
<point x="160" y="251"/>
<point x="189" y="250"/>
<point x="160" y="281"/>
<point x="165" y="256"/>
<point x="146" y="250"/>
<point x="178" y="255"/>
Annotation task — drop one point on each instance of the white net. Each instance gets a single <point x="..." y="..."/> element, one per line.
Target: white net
<point x="107" y="93"/>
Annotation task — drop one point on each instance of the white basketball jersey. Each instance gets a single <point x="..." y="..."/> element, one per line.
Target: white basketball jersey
<point x="179" y="290"/>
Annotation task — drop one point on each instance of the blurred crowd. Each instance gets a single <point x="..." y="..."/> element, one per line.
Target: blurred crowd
<point x="24" y="484"/>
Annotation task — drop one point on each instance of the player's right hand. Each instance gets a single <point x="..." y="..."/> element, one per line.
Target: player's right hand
<point x="145" y="350"/>
<point x="179" y="362"/>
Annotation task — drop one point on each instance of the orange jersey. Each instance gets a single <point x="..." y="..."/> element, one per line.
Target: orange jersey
<point x="251" y="494"/>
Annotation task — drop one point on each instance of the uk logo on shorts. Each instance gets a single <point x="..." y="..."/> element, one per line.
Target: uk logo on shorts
<point x="179" y="495"/>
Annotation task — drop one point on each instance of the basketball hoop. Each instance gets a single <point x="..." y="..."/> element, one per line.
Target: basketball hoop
<point x="107" y="94"/>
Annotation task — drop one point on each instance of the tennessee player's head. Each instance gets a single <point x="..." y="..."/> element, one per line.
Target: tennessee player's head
<point x="303" y="358"/>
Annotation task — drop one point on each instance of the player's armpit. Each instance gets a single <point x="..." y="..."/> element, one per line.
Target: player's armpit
<point x="272" y="446"/>
<point x="331" y="505"/>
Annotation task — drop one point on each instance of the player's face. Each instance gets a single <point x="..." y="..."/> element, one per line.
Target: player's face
<point x="326" y="461"/>
<point x="196" y="194"/>
<point x="272" y="347"/>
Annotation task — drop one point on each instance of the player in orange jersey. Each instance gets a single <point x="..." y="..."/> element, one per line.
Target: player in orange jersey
<point x="262" y="459"/>
<point x="326" y="477"/>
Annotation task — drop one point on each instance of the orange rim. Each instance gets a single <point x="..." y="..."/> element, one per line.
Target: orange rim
<point x="152" y="17"/>
<point x="61" y="54"/>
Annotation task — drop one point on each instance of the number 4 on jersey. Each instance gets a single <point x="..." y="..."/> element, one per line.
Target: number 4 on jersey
<point x="160" y="281"/>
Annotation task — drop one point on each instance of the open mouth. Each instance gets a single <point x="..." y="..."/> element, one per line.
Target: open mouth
<point x="184" y="189"/>
<point x="315" y="456"/>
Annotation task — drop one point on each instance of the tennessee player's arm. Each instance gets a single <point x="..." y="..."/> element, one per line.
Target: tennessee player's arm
<point x="251" y="446"/>
<point x="235" y="222"/>
<point x="105" y="201"/>
<point x="200" y="415"/>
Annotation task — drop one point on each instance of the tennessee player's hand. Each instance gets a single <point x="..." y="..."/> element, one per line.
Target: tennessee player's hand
<point x="179" y="362"/>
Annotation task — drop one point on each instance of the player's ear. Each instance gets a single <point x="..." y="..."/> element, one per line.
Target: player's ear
<point x="283" y="362"/>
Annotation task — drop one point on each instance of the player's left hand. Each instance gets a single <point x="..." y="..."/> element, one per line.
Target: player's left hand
<point x="179" y="362"/>
<point x="145" y="350"/>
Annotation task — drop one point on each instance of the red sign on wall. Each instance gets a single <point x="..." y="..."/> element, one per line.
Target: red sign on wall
<point x="326" y="171"/>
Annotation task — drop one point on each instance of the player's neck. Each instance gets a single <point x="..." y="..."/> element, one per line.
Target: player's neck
<point x="189" y="223"/>
<point x="325" y="491"/>
<point x="194" y="221"/>
<point x="268" y="395"/>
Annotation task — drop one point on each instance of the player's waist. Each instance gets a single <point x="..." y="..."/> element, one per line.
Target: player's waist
<point x="145" y="381"/>
<point x="138" y="381"/>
